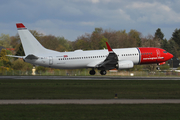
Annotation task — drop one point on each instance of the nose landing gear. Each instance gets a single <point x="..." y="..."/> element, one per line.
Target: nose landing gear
<point x="157" y="68"/>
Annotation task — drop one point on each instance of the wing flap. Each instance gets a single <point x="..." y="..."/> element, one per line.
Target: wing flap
<point x="94" y="64"/>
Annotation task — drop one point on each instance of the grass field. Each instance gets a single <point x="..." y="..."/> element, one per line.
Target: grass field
<point x="90" y="112"/>
<point x="78" y="89"/>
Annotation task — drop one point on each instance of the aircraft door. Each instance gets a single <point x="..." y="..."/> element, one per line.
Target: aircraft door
<point x="50" y="60"/>
<point x="158" y="53"/>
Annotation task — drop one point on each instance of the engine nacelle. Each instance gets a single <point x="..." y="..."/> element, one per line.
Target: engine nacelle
<point x="125" y="64"/>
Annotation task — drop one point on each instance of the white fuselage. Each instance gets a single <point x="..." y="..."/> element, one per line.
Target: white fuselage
<point x="83" y="59"/>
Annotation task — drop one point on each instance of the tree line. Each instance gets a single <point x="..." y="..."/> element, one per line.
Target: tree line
<point x="93" y="41"/>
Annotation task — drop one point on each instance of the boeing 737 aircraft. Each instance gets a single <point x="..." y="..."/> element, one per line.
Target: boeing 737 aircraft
<point x="102" y="60"/>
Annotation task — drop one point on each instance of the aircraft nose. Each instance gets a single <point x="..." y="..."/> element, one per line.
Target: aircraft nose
<point x="170" y="56"/>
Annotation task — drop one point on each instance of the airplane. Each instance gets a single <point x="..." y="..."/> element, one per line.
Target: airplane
<point x="107" y="59"/>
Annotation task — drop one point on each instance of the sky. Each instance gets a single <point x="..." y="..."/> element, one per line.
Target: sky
<point x="73" y="18"/>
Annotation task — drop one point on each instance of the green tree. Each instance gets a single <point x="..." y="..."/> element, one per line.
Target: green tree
<point x="136" y="36"/>
<point x="173" y="48"/>
<point x="15" y="41"/>
<point x="165" y="45"/>
<point x="80" y="44"/>
<point x="61" y="48"/>
<point x="41" y="69"/>
<point x="5" y="41"/>
<point x="36" y="34"/>
<point x="159" y="34"/>
<point x="176" y="36"/>
<point x="4" y="59"/>
<point x="20" y="51"/>
<point x="119" y="39"/>
<point x="150" y="67"/>
<point x="63" y="44"/>
<point x="19" y="64"/>
<point x="150" y="41"/>
<point x="49" y="42"/>
<point x="95" y="39"/>
<point x="102" y="42"/>
<point x="98" y="30"/>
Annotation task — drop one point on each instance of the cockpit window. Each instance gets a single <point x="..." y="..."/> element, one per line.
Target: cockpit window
<point x="164" y="51"/>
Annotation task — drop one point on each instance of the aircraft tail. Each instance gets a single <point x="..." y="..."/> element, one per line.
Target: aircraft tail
<point x="30" y="44"/>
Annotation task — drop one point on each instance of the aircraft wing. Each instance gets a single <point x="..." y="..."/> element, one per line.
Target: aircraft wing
<point x="94" y="64"/>
<point x="110" y="62"/>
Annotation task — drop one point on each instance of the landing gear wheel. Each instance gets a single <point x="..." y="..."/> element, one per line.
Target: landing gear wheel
<point x="157" y="68"/>
<point x="103" y="72"/>
<point x="92" y="72"/>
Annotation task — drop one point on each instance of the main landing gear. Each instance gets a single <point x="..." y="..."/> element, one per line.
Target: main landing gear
<point x="103" y="72"/>
<point x="93" y="72"/>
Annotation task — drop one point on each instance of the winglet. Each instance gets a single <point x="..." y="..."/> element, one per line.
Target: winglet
<point x="20" y="25"/>
<point x="108" y="47"/>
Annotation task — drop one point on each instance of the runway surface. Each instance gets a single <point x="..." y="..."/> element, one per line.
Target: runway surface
<point x="92" y="101"/>
<point x="89" y="78"/>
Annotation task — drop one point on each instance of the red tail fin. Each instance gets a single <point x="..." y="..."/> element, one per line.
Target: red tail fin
<point x="20" y="25"/>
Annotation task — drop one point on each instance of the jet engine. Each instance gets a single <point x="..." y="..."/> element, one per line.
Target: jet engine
<point x="125" y="64"/>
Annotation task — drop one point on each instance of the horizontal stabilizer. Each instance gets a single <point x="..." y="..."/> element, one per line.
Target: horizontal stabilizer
<point x="26" y="57"/>
<point x="15" y="56"/>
